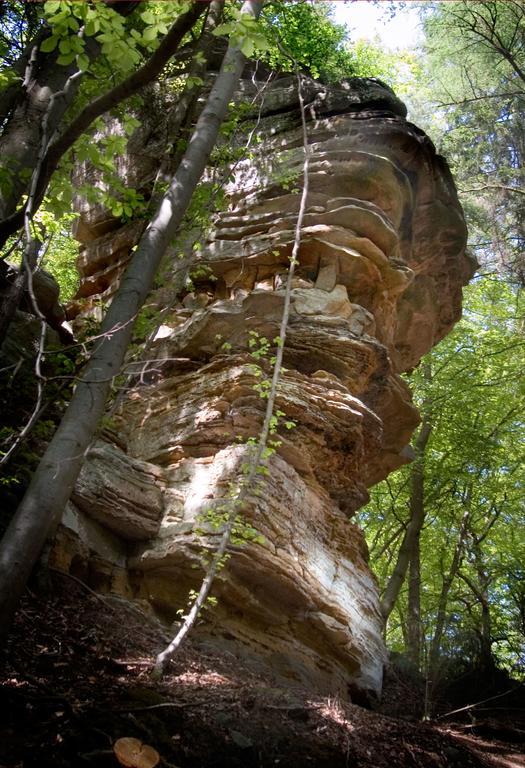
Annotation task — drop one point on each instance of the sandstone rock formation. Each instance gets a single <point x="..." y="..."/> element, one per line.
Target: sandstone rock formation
<point x="379" y="279"/>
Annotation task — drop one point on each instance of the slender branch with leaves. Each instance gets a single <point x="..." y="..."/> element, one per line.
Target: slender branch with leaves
<point x="233" y="506"/>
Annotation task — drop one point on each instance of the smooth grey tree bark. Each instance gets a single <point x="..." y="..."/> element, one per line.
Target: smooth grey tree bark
<point x="21" y="135"/>
<point x="50" y="141"/>
<point x="66" y="136"/>
<point x="43" y="504"/>
<point x="43" y="93"/>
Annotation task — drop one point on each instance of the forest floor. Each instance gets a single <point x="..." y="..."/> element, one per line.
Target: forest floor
<point x="76" y="677"/>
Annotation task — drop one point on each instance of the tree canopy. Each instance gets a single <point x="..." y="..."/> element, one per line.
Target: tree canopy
<point x="462" y="601"/>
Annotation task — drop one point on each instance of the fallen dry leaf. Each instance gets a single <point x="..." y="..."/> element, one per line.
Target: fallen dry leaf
<point x="132" y="753"/>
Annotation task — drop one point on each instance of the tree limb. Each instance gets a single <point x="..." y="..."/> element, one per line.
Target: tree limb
<point x="131" y="85"/>
<point x="503" y="187"/>
<point x="54" y="479"/>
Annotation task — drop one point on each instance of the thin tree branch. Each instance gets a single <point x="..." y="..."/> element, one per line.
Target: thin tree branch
<point x="246" y="486"/>
<point x="516" y="190"/>
<point x="131" y="85"/>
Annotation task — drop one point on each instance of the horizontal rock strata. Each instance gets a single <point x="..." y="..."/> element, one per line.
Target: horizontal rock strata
<point x="378" y="282"/>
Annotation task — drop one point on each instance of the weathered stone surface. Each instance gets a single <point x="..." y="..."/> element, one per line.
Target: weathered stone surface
<point x="122" y="493"/>
<point x="378" y="282"/>
<point x="89" y="551"/>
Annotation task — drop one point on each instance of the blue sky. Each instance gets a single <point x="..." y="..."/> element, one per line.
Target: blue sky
<point x="368" y="19"/>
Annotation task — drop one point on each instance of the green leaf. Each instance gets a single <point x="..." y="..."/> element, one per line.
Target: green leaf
<point x="49" y="44"/>
<point x="194" y="81"/>
<point x="149" y="34"/>
<point x="261" y="42"/>
<point x="83" y="62"/>
<point x="66" y="59"/>
<point x="224" y="29"/>
<point x="77" y="45"/>
<point x="92" y="27"/>
<point x="58" y="18"/>
<point x="64" y="45"/>
<point x="81" y="11"/>
<point x="147" y="17"/>
<point x="248" y="47"/>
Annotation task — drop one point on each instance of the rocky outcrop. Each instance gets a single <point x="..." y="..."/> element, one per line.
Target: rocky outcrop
<point x="378" y="282"/>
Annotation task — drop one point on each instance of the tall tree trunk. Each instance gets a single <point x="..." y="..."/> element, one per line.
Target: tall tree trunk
<point x="10" y="96"/>
<point x="414" y="604"/>
<point x="22" y="135"/>
<point x="486" y="658"/>
<point x="43" y="93"/>
<point x="180" y="116"/>
<point x="441" y="614"/>
<point x="49" y="149"/>
<point x="408" y="551"/>
<point x="52" y="484"/>
<point x="66" y="137"/>
<point x="15" y="292"/>
<point x="481" y="593"/>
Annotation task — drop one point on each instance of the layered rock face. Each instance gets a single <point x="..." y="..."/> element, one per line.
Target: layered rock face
<point x="378" y="282"/>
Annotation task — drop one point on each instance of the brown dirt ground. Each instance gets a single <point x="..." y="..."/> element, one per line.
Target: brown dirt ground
<point x="76" y="677"/>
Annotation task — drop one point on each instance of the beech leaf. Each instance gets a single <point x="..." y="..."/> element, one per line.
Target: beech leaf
<point x="132" y="753"/>
<point x="49" y="44"/>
